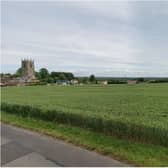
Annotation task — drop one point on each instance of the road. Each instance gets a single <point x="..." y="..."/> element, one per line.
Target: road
<point x="20" y="147"/>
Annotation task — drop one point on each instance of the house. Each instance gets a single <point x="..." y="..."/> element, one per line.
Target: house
<point x="63" y="82"/>
<point x="104" y="82"/>
<point x="132" y="82"/>
<point x="2" y="84"/>
<point x="74" y="81"/>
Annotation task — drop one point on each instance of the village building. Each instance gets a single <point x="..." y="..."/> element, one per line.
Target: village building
<point x="63" y="82"/>
<point x="74" y="82"/>
<point x="132" y="82"/>
<point x="27" y="76"/>
<point x="104" y="82"/>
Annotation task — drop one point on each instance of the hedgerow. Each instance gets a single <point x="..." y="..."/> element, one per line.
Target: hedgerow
<point x="120" y="129"/>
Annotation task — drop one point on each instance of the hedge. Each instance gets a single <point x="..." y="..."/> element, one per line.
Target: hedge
<point x="107" y="126"/>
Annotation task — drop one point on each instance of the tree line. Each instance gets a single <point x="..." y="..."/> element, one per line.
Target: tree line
<point x="44" y="76"/>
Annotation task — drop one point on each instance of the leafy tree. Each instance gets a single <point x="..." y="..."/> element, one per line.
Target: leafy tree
<point x="9" y="75"/>
<point x="55" y="79"/>
<point x="2" y="75"/>
<point x="50" y="80"/>
<point x="140" y="79"/>
<point x="115" y="81"/>
<point x="37" y="75"/>
<point x="54" y="74"/>
<point x="92" y="78"/>
<point x="62" y="76"/>
<point x="19" y="72"/>
<point x="69" y="75"/>
<point x="43" y="73"/>
<point x="84" y="80"/>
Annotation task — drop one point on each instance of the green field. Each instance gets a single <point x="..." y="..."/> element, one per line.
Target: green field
<point x="137" y="112"/>
<point x="129" y="122"/>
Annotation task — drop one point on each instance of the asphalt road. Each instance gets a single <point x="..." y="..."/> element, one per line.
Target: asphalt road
<point x="20" y="147"/>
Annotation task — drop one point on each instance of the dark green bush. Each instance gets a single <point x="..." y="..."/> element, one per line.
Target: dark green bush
<point x="117" y="82"/>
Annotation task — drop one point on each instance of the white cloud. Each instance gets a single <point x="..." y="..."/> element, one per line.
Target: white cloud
<point x="99" y="37"/>
<point x="109" y="9"/>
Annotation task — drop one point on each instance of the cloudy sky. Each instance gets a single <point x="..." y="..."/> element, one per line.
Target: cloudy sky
<point x="106" y="38"/>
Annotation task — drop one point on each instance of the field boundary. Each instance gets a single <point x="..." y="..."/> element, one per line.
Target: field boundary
<point x="119" y="129"/>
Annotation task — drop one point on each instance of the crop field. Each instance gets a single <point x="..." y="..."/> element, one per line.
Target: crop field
<point x="137" y="112"/>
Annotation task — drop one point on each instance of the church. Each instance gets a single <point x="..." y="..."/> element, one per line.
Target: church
<point x="27" y="75"/>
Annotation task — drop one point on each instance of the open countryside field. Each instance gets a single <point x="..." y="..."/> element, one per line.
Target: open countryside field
<point x="136" y="112"/>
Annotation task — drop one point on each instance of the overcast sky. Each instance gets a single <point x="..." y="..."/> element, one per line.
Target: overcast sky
<point x="106" y="38"/>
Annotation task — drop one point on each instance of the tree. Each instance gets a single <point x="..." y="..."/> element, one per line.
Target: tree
<point x="50" y="80"/>
<point x="69" y="75"/>
<point x="9" y="75"/>
<point x="43" y="73"/>
<point x="37" y="75"/>
<point x="83" y="80"/>
<point x="2" y="75"/>
<point x="140" y="79"/>
<point x="54" y="74"/>
<point x="19" y="72"/>
<point x="92" y="78"/>
<point x="62" y="76"/>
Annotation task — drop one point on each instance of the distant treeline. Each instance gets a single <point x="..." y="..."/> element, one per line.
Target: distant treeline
<point x="159" y="81"/>
<point x="44" y="76"/>
<point x="117" y="81"/>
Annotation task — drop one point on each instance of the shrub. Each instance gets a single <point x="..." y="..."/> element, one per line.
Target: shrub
<point x="117" y="82"/>
<point x="110" y="127"/>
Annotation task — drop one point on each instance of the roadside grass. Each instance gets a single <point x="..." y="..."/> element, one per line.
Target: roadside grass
<point x="135" y="153"/>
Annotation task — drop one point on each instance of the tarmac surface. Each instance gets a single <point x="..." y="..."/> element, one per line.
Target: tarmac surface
<point x="20" y="147"/>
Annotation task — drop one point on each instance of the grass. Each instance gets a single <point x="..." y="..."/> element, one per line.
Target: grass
<point x="136" y="112"/>
<point x="134" y="153"/>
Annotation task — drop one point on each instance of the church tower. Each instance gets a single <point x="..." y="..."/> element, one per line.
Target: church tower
<point x="28" y="70"/>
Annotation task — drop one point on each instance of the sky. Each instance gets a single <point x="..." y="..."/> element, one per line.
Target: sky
<point x="105" y="38"/>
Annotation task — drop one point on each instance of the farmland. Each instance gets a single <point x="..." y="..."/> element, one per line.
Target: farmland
<point x="129" y="122"/>
<point x="136" y="112"/>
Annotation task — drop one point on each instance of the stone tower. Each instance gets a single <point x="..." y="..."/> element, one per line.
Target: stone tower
<point x="28" y="70"/>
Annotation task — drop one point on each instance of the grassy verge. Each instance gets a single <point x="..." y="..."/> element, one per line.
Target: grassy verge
<point x="131" y="131"/>
<point x="135" y="153"/>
